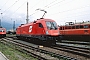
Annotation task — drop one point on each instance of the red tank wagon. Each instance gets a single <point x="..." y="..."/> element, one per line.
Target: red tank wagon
<point x="45" y="30"/>
<point x="2" y="32"/>
<point x="79" y="32"/>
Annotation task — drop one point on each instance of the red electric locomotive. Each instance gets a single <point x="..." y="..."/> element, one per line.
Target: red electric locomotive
<point x="2" y="32"/>
<point x="41" y="30"/>
<point x="45" y="30"/>
<point x="80" y="31"/>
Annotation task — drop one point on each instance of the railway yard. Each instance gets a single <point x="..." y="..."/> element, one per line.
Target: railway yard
<point x="61" y="51"/>
<point x="64" y="34"/>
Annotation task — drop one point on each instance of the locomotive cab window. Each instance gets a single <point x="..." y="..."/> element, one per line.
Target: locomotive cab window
<point x="85" y="26"/>
<point x="51" y="25"/>
<point x="40" y="25"/>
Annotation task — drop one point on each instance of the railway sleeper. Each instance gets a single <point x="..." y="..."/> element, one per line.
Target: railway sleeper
<point x="35" y="54"/>
<point x="53" y="54"/>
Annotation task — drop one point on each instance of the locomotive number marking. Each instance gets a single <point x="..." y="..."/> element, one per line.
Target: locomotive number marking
<point x="30" y="29"/>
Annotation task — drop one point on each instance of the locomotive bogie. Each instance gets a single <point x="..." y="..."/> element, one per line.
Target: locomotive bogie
<point x="2" y="35"/>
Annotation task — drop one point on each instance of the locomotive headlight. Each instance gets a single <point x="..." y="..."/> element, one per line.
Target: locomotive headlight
<point x="2" y="30"/>
<point x="47" y="33"/>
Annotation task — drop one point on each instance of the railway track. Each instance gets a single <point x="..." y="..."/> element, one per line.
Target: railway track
<point x="85" y="52"/>
<point x="79" y="53"/>
<point x="75" y="42"/>
<point x="31" y="51"/>
<point x="39" y="53"/>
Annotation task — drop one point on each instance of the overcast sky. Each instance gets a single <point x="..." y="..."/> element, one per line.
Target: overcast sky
<point x="59" y="10"/>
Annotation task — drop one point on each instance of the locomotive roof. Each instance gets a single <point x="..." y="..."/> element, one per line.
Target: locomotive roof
<point x="40" y="20"/>
<point x="37" y="21"/>
<point x="2" y="28"/>
<point x="75" y="24"/>
<point x="78" y="23"/>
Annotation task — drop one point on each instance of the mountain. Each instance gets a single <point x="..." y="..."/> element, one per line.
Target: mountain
<point x="8" y="26"/>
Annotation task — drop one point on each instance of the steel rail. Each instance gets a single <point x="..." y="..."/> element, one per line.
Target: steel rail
<point x="44" y="51"/>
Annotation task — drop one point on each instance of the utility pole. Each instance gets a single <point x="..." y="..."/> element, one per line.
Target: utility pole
<point x="1" y="19"/>
<point x="75" y="21"/>
<point x="14" y="26"/>
<point x="0" y="22"/>
<point x="27" y="14"/>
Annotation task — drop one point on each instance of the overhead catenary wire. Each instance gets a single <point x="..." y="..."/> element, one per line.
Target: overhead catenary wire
<point x="44" y="6"/>
<point x="33" y="7"/>
<point x="77" y="15"/>
<point x="15" y="10"/>
<point x="50" y="3"/>
<point x="35" y="4"/>
<point x="74" y="18"/>
<point x="71" y="10"/>
<point x="54" y="4"/>
<point x="47" y="6"/>
<point x="4" y="4"/>
<point x="19" y="7"/>
<point x="35" y="10"/>
<point x="10" y="6"/>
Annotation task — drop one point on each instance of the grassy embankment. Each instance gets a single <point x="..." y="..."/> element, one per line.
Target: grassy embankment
<point x="13" y="54"/>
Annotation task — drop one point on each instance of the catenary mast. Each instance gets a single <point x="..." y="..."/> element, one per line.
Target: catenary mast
<point x="27" y="14"/>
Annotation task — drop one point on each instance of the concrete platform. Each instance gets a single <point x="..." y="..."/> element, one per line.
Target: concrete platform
<point x="3" y="57"/>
